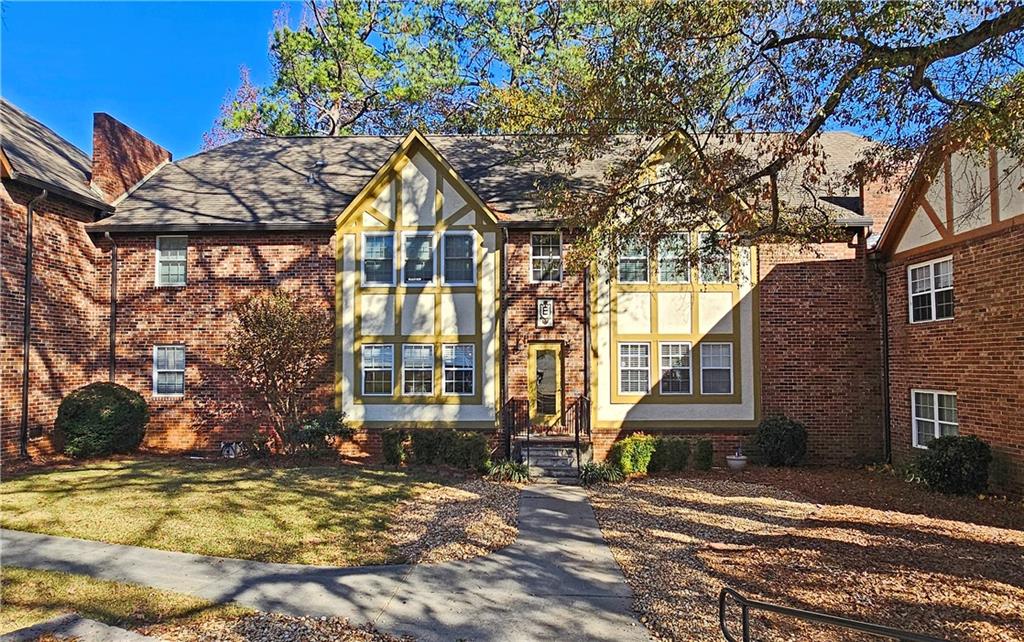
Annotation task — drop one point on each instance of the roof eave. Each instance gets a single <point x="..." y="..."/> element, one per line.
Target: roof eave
<point x="61" y="191"/>
<point x="178" y="228"/>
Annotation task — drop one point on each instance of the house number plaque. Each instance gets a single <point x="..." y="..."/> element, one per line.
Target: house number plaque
<point x="545" y="313"/>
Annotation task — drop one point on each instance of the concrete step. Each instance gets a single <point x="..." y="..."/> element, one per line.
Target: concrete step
<point x="550" y="451"/>
<point x="552" y="461"/>
<point x="540" y="472"/>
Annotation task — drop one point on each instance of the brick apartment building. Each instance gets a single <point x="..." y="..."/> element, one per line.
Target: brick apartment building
<point x="452" y="306"/>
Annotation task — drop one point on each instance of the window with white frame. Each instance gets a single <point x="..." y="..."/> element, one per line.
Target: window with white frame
<point x="169" y="370"/>
<point x="934" y="415"/>
<point x="716" y="368"/>
<point x="633" y="263"/>
<point x="675" y="368"/>
<point x="171" y="260"/>
<point x="458" y="368"/>
<point x="378" y="364"/>
<point x="457" y="258"/>
<point x="715" y="259"/>
<point x="931" y="290"/>
<point x="418" y="369"/>
<point x="378" y="259"/>
<point x="634" y="368"/>
<point x="546" y="256"/>
<point x="418" y="259"/>
<point x="674" y="259"/>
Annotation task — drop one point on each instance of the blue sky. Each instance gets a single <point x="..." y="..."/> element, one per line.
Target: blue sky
<point x="162" y="68"/>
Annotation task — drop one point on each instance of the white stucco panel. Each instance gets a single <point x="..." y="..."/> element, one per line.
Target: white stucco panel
<point x="919" y="231"/>
<point x="674" y="313"/>
<point x="971" y="205"/>
<point x="418" y="313"/>
<point x="715" y="312"/>
<point x="385" y="201"/>
<point x="377" y="314"/>
<point x="348" y="333"/>
<point x="452" y="200"/>
<point x="634" y="312"/>
<point x="419" y="189"/>
<point x="1011" y="194"/>
<point x="371" y="221"/>
<point x="458" y="313"/>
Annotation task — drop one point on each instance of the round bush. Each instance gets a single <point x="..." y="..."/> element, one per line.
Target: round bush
<point x="781" y="441"/>
<point x="101" y="419"/>
<point x="956" y="465"/>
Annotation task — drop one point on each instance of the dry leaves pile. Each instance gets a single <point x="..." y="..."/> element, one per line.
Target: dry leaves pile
<point x="266" y="627"/>
<point x="455" y="522"/>
<point x="851" y="543"/>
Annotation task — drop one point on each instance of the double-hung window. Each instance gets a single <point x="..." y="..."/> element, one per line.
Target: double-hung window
<point x="934" y="415"/>
<point x="675" y="368"/>
<point x="633" y="263"/>
<point x="378" y="365"/>
<point x="545" y="256"/>
<point x="459" y="369"/>
<point x="716" y="368"/>
<point x="457" y="258"/>
<point x="378" y="259"/>
<point x="418" y="259"/>
<point x="673" y="259"/>
<point x="418" y="369"/>
<point x="171" y="260"/>
<point x="715" y="259"/>
<point x="931" y="290"/>
<point x="634" y="368"/>
<point x="169" y="370"/>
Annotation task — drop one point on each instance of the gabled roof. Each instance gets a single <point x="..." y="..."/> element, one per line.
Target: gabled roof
<point x="305" y="182"/>
<point x="41" y="157"/>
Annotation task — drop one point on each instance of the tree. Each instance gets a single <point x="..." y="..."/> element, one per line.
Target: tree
<point x="278" y="351"/>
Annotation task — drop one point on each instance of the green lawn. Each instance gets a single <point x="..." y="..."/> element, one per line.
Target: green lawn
<point x="32" y="596"/>
<point x="329" y="515"/>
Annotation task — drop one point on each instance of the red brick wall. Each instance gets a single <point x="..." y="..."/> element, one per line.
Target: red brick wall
<point x="821" y="348"/>
<point x="222" y="270"/>
<point x="69" y="312"/>
<point x="979" y="354"/>
<point x="121" y="157"/>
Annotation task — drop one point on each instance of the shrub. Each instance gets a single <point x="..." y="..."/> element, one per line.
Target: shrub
<point x="704" y="455"/>
<point x="509" y="471"/>
<point x="595" y="473"/>
<point x="317" y="433"/>
<point x="393" y="446"/>
<point x="449" y="448"/>
<point x="632" y="455"/>
<point x="101" y="419"/>
<point x="671" y="454"/>
<point x="956" y="465"/>
<point x="781" y="441"/>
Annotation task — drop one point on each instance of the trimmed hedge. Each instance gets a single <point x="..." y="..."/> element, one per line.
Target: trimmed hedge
<point x="671" y="454"/>
<point x="101" y="419"/>
<point x="468" y="450"/>
<point x="704" y="455"/>
<point x="956" y="465"/>
<point x="781" y="441"/>
<point x="632" y="455"/>
<point x="393" y="446"/>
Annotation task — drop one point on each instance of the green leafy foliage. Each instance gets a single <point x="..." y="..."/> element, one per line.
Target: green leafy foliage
<point x="318" y="433"/>
<point x="704" y="455"/>
<point x="956" y="465"/>
<point x="671" y="454"/>
<point x="393" y="446"/>
<point x="101" y="419"/>
<point x="781" y="441"/>
<point x="509" y="471"/>
<point x="466" y="450"/>
<point x="600" y="472"/>
<point x="632" y="455"/>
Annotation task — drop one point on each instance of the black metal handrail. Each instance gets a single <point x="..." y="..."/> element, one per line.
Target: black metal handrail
<point x="517" y="424"/>
<point x="746" y="605"/>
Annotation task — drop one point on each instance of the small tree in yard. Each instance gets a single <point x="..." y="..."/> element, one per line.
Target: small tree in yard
<point x="280" y="347"/>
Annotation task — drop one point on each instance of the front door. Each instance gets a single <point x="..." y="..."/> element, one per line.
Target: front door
<point x="545" y="384"/>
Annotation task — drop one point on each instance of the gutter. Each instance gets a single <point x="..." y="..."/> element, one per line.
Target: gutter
<point x="26" y="333"/>
<point x="60" y="191"/>
<point x="168" y="228"/>
<point x="504" y="347"/>
<point x="113" y="306"/>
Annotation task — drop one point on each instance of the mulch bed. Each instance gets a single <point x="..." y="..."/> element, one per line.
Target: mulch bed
<point x="858" y="544"/>
<point x="266" y="627"/>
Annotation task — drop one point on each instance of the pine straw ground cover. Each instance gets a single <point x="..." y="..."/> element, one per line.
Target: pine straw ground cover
<point x="858" y="544"/>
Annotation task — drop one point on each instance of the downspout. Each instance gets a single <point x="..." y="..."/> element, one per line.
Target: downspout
<point x="879" y="268"/>
<point x="586" y="333"/>
<point x="26" y="334"/>
<point x="503" y="419"/>
<point x="113" y="306"/>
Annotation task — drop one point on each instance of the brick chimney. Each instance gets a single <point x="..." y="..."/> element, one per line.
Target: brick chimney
<point x="121" y="156"/>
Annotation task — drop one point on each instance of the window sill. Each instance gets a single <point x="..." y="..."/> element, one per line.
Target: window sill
<point x="170" y="286"/>
<point x="168" y="395"/>
<point x="926" y="322"/>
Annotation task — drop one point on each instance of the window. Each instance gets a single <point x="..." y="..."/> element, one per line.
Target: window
<point x="673" y="259"/>
<point x="716" y="368"/>
<point x="934" y="415"/>
<point x="715" y="260"/>
<point x="634" y="368"/>
<point x="378" y="360"/>
<point x="931" y="290"/>
<point x="675" y="368"/>
<point x="546" y="256"/>
<point x="418" y="369"/>
<point x="633" y="263"/>
<point x="458" y="262"/>
<point x="378" y="259"/>
<point x="169" y="370"/>
<point x="457" y="361"/>
<point x="171" y="259"/>
<point x="418" y="266"/>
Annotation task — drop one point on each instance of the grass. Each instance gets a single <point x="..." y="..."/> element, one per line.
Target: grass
<point x="327" y="515"/>
<point x="32" y="596"/>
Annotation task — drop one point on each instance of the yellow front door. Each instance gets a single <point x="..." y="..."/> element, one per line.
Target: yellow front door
<point x="544" y="383"/>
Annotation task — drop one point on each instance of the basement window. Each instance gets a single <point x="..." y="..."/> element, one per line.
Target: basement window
<point x="930" y="290"/>
<point x="171" y="260"/>
<point x="169" y="370"/>
<point x="934" y="415"/>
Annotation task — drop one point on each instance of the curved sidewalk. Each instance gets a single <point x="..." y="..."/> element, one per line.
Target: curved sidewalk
<point x="558" y="581"/>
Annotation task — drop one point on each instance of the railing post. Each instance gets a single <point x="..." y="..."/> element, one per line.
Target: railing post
<point x="745" y="611"/>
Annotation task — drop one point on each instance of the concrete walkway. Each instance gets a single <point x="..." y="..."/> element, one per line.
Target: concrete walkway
<point x="558" y="581"/>
<point x="74" y="627"/>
